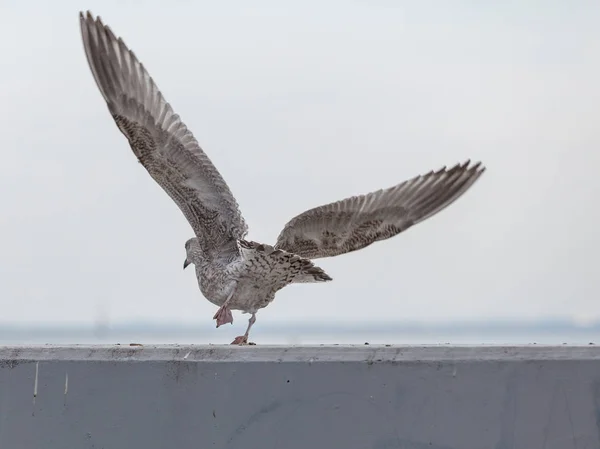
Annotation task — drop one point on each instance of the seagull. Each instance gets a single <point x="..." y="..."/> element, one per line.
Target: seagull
<point x="235" y="273"/>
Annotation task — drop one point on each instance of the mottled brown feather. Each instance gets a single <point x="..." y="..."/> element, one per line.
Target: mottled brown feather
<point x="354" y="223"/>
<point x="160" y="140"/>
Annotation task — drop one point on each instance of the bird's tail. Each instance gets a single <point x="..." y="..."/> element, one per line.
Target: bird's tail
<point x="295" y="268"/>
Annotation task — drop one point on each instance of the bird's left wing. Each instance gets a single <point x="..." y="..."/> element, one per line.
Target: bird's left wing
<point x="357" y="222"/>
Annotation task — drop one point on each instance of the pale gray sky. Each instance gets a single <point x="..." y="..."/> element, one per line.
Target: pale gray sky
<point x="298" y="105"/>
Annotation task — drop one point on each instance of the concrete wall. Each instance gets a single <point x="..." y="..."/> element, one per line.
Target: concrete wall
<point x="300" y="397"/>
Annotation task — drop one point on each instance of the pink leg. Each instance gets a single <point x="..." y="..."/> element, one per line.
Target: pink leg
<point x="243" y="339"/>
<point x="224" y="315"/>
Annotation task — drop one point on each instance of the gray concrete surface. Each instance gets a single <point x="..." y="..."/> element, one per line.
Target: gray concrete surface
<point x="441" y="397"/>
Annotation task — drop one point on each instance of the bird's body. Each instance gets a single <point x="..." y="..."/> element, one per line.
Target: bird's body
<point x="234" y="273"/>
<point x="251" y="279"/>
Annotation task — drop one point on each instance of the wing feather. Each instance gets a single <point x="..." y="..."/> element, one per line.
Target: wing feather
<point x="161" y="141"/>
<point x="359" y="221"/>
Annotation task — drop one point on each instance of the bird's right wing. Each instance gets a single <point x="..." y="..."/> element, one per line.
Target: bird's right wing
<point x="357" y="222"/>
<point x="160" y="140"/>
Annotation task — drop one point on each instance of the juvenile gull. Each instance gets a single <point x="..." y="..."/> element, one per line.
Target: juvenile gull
<point x="234" y="273"/>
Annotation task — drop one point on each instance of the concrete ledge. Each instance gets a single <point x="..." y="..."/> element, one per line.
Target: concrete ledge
<point x="381" y="397"/>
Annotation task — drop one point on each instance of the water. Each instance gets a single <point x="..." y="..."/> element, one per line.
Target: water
<point x="472" y="333"/>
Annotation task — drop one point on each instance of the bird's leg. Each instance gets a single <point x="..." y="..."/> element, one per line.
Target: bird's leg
<point x="224" y="315"/>
<point x="243" y="339"/>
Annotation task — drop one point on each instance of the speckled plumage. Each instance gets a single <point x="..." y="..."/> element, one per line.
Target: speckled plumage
<point x="232" y="272"/>
<point x="255" y="274"/>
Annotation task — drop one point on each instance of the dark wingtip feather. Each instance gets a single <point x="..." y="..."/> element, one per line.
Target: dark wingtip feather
<point x="319" y="274"/>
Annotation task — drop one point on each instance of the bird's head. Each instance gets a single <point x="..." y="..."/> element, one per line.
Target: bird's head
<point x="192" y="251"/>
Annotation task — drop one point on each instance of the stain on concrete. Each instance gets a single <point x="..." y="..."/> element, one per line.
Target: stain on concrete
<point x="508" y="416"/>
<point x="10" y="363"/>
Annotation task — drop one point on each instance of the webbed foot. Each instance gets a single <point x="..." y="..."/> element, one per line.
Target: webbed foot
<point x="242" y="340"/>
<point x="223" y="316"/>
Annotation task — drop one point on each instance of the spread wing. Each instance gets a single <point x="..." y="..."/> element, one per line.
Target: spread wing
<point x="357" y="222"/>
<point x="160" y="140"/>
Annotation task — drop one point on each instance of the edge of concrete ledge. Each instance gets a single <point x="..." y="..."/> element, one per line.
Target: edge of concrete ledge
<point x="298" y="354"/>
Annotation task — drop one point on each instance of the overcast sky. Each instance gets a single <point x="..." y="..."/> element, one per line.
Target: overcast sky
<point x="300" y="105"/>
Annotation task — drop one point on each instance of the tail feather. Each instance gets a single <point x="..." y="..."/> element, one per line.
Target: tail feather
<point x="304" y="269"/>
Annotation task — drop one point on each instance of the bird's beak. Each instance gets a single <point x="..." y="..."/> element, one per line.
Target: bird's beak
<point x="186" y="263"/>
